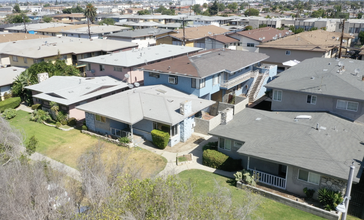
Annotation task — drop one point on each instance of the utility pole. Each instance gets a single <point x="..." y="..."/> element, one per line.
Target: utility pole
<point x="348" y="191"/>
<point x="249" y="8"/>
<point x="184" y="33"/>
<point x="342" y="37"/>
<point x="25" y="26"/>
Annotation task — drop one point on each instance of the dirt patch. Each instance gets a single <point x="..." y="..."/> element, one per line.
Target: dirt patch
<point x="191" y="143"/>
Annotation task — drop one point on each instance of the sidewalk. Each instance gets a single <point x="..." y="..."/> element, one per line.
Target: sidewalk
<point x="172" y="168"/>
<point x="24" y="107"/>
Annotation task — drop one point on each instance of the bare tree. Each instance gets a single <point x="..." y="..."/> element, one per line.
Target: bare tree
<point x="11" y="142"/>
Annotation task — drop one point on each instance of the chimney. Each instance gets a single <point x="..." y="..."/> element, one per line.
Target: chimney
<point x="185" y="108"/>
<point x="317" y="126"/>
<point x="227" y="115"/>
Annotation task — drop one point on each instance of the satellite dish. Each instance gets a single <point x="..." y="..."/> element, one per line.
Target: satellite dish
<point x="130" y="86"/>
<point x="126" y="76"/>
<point x="136" y="84"/>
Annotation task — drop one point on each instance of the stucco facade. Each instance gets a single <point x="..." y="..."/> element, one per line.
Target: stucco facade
<point x="116" y="72"/>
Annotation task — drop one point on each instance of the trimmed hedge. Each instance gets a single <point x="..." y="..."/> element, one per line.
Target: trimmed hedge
<point x="10" y="103"/>
<point x="160" y="138"/>
<point x="72" y="122"/>
<point x="218" y="160"/>
<point x="210" y="145"/>
<point x="36" y="106"/>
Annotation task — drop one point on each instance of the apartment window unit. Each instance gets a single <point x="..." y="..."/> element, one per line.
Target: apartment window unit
<point x="215" y="80"/>
<point x="202" y="83"/>
<point x="347" y="105"/>
<point x="102" y="67"/>
<point x="225" y="144"/>
<point x="173" y="80"/>
<point x="118" y="69"/>
<point x="100" y="118"/>
<point x="288" y="52"/>
<point x="115" y="131"/>
<point x="25" y="60"/>
<point x="155" y="75"/>
<point x="309" y="177"/>
<point x="193" y="83"/>
<point x="15" y="58"/>
<point x="277" y="95"/>
<point x="311" y="99"/>
<point x="250" y="44"/>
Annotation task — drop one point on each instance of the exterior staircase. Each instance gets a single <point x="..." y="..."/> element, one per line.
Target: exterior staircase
<point x="256" y="87"/>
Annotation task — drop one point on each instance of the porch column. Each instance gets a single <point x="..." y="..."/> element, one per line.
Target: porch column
<point x="247" y="168"/>
<point x="285" y="183"/>
<point x="132" y="137"/>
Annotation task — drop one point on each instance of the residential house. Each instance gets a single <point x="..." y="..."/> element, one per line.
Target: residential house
<point x="305" y="45"/>
<point x="352" y="27"/>
<point x="71" y="91"/>
<point x="96" y="31"/>
<point x="31" y="28"/>
<point x="319" y="84"/>
<point x="143" y="37"/>
<point x="26" y="53"/>
<point x="327" y="24"/>
<point x="132" y="11"/>
<point x="140" y="110"/>
<point x="124" y="65"/>
<point x="221" y="41"/>
<point x="249" y="39"/>
<point x="214" y="75"/>
<point x="69" y="18"/>
<point x="194" y="36"/>
<point x="307" y="149"/>
<point x="7" y="78"/>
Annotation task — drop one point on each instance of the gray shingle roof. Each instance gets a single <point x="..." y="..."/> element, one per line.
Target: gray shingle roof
<point x="8" y="75"/>
<point x="316" y="76"/>
<point x="156" y="103"/>
<point x="140" y="33"/>
<point x="278" y="137"/>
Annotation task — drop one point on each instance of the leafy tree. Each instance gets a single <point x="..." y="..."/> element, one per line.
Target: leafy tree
<point x="90" y="14"/>
<point x="248" y="27"/>
<point x="46" y="5"/>
<point x="47" y="19"/>
<point x="78" y="9"/>
<point x="266" y="10"/>
<point x="262" y="25"/>
<point x="31" y="146"/>
<point x="361" y="37"/>
<point x="205" y="5"/>
<point x="196" y="8"/>
<point x="108" y="21"/>
<point x="16" y="8"/>
<point x="164" y="11"/>
<point x="233" y="6"/>
<point x="214" y="9"/>
<point x="144" y="12"/>
<point x="251" y="12"/>
<point x="318" y="13"/>
<point x="67" y="11"/>
<point x="11" y="19"/>
<point x="360" y="15"/>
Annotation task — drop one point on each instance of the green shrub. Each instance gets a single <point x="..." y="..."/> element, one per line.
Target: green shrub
<point x="218" y="160"/>
<point x="7" y="95"/>
<point x="72" y="122"/>
<point x="61" y="116"/>
<point x="124" y="140"/>
<point x="9" y="113"/>
<point x="36" y="106"/>
<point x="58" y="124"/>
<point x="64" y="121"/>
<point x="210" y="145"/>
<point x="246" y="177"/>
<point x="309" y="192"/>
<point x="84" y="127"/>
<point x="329" y="198"/>
<point x="31" y="146"/>
<point x="160" y="138"/>
<point x="10" y="103"/>
<point x="40" y="115"/>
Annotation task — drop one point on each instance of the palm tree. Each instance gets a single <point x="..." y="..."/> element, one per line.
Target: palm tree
<point x="90" y="14"/>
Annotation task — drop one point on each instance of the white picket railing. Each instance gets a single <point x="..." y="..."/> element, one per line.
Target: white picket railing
<point x="270" y="179"/>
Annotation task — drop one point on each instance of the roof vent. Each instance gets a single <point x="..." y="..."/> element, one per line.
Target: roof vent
<point x="312" y="77"/>
<point x="258" y="119"/>
<point x="357" y="70"/>
<point x="303" y="117"/>
<point x="325" y="70"/>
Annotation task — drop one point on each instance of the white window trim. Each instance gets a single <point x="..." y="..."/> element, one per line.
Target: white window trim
<point x="172" y="80"/>
<point x="100" y="118"/>
<point x="202" y="82"/>
<point x="346" y="107"/>
<point x="215" y="80"/>
<point x="281" y="95"/>
<point x="308" y="177"/>
<point x="311" y="103"/>
<point x="115" y="131"/>
<point x="15" y="58"/>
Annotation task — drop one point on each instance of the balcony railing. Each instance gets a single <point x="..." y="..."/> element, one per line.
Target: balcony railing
<point x="227" y="84"/>
<point x="269" y="179"/>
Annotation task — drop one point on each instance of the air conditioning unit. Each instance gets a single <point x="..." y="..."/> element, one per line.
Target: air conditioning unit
<point x="172" y="80"/>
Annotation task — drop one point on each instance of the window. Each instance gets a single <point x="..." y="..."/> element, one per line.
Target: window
<point x="97" y="53"/>
<point x="25" y="60"/>
<point x="288" y="52"/>
<point x="115" y="132"/>
<point x="88" y="67"/>
<point x="174" y="130"/>
<point x="15" y="58"/>
<point x="173" y="79"/>
<point x="64" y="57"/>
<point x="311" y="99"/>
<point x="118" y="69"/>
<point x="310" y="177"/>
<point x="193" y="83"/>
<point x="100" y="118"/>
<point x="215" y="80"/>
<point x="38" y="60"/>
<point x="277" y="95"/>
<point x="202" y="83"/>
<point x="250" y="44"/>
<point x="225" y="144"/>
<point x="87" y="55"/>
<point x="237" y="145"/>
<point x="347" y="105"/>
<point x="156" y="75"/>
<point x="102" y="67"/>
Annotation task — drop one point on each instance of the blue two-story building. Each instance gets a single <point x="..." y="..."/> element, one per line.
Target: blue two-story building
<point x="214" y="75"/>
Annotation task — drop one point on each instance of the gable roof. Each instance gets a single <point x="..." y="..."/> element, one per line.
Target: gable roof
<point x="223" y="39"/>
<point x="141" y="56"/>
<point x="206" y="63"/>
<point x="68" y="90"/>
<point x="320" y="76"/>
<point x="8" y="75"/>
<point x="156" y="103"/>
<point x="293" y="142"/>
<point x="264" y="34"/>
<point x="318" y="40"/>
<point x="194" y="33"/>
<point x="140" y="33"/>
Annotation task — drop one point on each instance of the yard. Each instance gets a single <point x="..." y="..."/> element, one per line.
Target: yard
<point x="270" y="209"/>
<point x="67" y="146"/>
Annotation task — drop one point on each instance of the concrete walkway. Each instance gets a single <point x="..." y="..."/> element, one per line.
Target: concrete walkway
<point x="172" y="168"/>
<point x="24" y="107"/>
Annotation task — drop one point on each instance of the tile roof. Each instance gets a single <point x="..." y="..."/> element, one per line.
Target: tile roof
<point x="224" y="39"/>
<point x="206" y="63"/>
<point x="322" y="76"/>
<point x="329" y="150"/>
<point x="264" y="34"/>
<point x="318" y="40"/>
<point x="156" y="103"/>
<point x="193" y="33"/>
<point x="8" y="75"/>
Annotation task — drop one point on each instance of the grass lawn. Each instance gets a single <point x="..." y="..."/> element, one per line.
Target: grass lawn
<point x="67" y="146"/>
<point x="269" y="209"/>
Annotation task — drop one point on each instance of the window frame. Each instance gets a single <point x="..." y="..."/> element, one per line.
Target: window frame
<point x="173" y="130"/>
<point x="155" y="75"/>
<point x="100" y="118"/>
<point x="14" y="58"/>
<point x="175" y="80"/>
<point x="202" y="83"/>
<point x="310" y="98"/>
<point x="275" y="98"/>
<point x="115" y="133"/>
<point x="215" y="79"/>
<point x="223" y="143"/>
<point x="193" y="83"/>
<point x="25" y="60"/>
<point x="118" y="69"/>
<point x="288" y="52"/>
<point x="250" y="45"/>
<point x="346" y="105"/>
<point x="102" y="67"/>
<point x="308" y="177"/>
